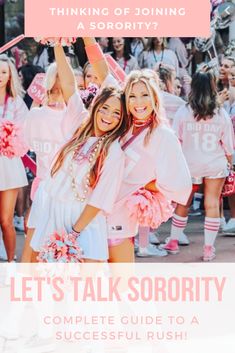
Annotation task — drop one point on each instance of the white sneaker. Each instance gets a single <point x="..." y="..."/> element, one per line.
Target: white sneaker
<point x="183" y="239"/>
<point x="3" y="257"/>
<point x="194" y="211"/>
<point x="19" y="223"/>
<point x="15" y="220"/>
<point x="153" y="238"/>
<point x="222" y="223"/>
<point x="151" y="251"/>
<point x="38" y="345"/>
<point x="136" y="244"/>
<point x="229" y="228"/>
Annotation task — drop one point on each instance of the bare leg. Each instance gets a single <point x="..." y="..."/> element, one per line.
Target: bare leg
<point x="123" y="252"/>
<point x="212" y="190"/>
<point x="27" y="250"/>
<point x="7" y="207"/>
<point x="182" y="210"/>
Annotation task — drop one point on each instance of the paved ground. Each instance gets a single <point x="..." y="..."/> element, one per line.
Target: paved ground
<point x="225" y="245"/>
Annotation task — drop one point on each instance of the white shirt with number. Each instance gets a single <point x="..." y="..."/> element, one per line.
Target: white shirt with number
<point x="205" y="143"/>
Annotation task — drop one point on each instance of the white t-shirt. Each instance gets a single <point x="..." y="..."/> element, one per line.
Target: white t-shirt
<point x="205" y="143"/>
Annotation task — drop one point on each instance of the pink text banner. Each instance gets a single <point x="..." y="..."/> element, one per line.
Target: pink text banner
<point x="151" y="18"/>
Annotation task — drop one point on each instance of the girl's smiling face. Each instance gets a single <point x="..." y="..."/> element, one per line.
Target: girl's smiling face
<point x="140" y="103"/>
<point x="108" y="115"/>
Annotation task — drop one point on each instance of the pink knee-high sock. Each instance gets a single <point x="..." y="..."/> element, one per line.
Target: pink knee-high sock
<point x="177" y="226"/>
<point x="211" y="228"/>
<point x="143" y="237"/>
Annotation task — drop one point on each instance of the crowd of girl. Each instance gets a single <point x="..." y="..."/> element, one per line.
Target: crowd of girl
<point x="90" y="161"/>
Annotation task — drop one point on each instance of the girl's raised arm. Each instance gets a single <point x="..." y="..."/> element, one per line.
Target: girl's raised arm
<point x="96" y="58"/>
<point x="65" y="72"/>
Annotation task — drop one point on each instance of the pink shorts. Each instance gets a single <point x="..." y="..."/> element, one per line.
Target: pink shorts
<point x="118" y="241"/>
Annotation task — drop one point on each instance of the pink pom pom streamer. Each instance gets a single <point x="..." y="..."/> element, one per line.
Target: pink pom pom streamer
<point x="52" y="41"/>
<point x="62" y="248"/>
<point x="11" y="140"/>
<point x="150" y="209"/>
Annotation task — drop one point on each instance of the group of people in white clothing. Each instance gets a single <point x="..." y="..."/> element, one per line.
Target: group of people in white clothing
<point x="90" y="162"/>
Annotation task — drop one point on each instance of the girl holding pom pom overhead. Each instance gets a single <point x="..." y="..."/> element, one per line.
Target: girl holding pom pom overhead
<point x="76" y="200"/>
<point x="88" y="166"/>
<point x="12" y="173"/>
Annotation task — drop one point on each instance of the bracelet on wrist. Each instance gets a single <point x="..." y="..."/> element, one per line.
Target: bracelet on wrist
<point x="75" y="233"/>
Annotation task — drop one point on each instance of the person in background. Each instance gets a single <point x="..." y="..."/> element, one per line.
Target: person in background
<point x="178" y="87"/>
<point x="178" y="47"/>
<point x="206" y="134"/>
<point x="26" y="74"/>
<point x="12" y="172"/>
<point x="138" y="45"/>
<point x="224" y="71"/>
<point x="90" y="76"/>
<point x="171" y="102"/>
<point x="122" y="54"/>
<point x="44" y="56"/>
<point x="229" y="227"/>
<point x="79" y="78"/>
<point x="157" y="53"/>
<point x="103" y="43"/>
<point x="20" y="57"/>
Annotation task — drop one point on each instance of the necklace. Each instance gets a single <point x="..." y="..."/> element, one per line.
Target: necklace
<point x="79" y="156"/>
<point x="155" y="58"/>
<point x="142" y="122"/>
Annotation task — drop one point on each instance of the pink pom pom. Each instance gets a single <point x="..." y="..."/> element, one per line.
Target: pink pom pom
<point x="150" y="209"/>
<point x="89" y="94"/>
<point x="61" y="248"/>
<point x="11" y="140"/>
<point x="52" y="41"/>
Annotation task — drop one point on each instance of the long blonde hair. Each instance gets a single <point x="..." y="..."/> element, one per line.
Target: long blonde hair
<point x="14" y="87"/>
<point x="50" y="77"/>
<point x="88" y="129"/>
<point x="151" y="81"/>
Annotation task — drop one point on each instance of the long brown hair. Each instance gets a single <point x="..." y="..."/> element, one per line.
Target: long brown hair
<point x="150" y="79"/>
<point x="88" y="129"/>
<point x="150" y="45"/>
<point x="203" y="98"/>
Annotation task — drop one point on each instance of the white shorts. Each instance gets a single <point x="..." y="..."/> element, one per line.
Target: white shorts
<point x="221" y="174"/>
<point x="12" y="173"/>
